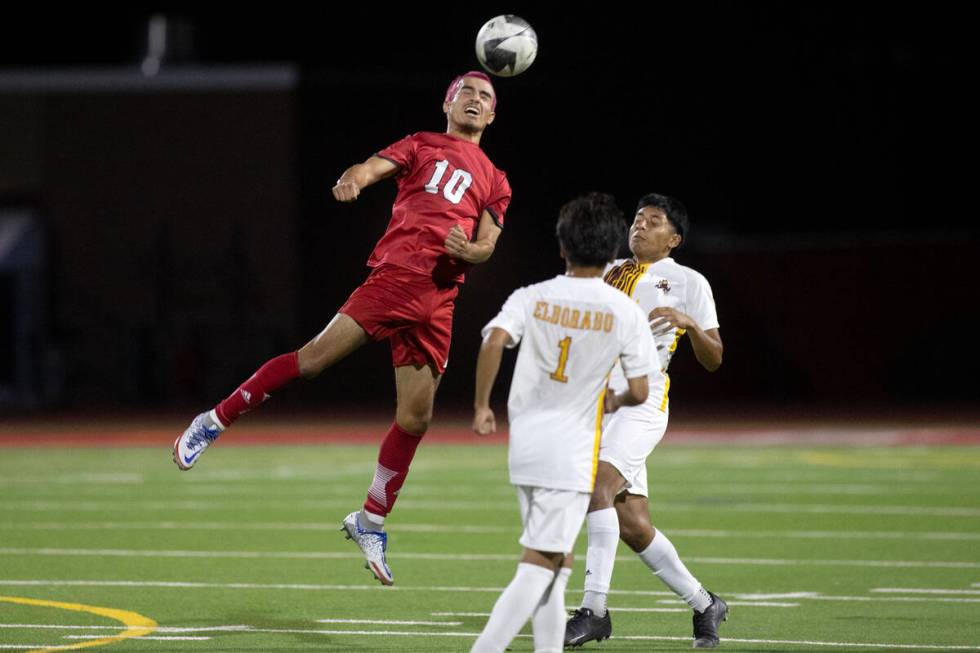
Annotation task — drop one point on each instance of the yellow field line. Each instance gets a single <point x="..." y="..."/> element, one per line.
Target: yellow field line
<point x="136" y="624"/>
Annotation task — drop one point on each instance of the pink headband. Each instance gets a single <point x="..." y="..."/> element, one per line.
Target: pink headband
<point x="455" y="85"/>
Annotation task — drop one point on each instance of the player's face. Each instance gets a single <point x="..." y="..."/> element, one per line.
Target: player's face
<point x="471" y="109"/>
<point x="652" y="236"/>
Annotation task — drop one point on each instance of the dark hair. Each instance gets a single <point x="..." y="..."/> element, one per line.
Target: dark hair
<point x="675" y="211"/>
<point x="590" y="229"/>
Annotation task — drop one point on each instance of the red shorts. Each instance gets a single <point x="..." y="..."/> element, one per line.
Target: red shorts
<point x="408" y="309"/>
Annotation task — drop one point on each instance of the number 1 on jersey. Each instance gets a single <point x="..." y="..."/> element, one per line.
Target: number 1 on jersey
<point x="559" y="374"/>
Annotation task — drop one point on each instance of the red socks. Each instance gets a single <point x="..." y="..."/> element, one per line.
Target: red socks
<point x="270" y="377"/>
<point x="397" y="451"/>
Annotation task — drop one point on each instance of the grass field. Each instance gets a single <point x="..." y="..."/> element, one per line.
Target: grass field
<point x="823" y="548"/>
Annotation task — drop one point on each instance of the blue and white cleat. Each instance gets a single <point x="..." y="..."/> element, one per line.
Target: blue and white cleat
<point x="198" y="437"/>
<point x="373" y="545"/>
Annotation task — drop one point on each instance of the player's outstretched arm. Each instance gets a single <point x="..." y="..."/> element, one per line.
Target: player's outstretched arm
<point x="478" y="251"/>
<point x="636" y="393"/>
<point x="487" y="366"/>
<point x="360" y="176"/>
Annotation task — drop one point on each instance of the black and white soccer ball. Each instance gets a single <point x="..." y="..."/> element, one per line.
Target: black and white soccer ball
<point x="506" y="45"/>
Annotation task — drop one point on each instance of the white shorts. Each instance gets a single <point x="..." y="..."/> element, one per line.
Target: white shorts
<point x="552" y="519"/>
<point x="629" y="436"/>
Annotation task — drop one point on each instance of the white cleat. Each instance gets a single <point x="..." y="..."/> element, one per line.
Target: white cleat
<point x="198" y="437"/>
<point x="373" y="545"/>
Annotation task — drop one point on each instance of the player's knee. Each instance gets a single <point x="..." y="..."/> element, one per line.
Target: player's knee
<point x="608" y="483"/>
<point x="414" y="420"/>
<point x="309" y="368"/>
<point x="636" y="536"/>
<point x="602" y="498"/>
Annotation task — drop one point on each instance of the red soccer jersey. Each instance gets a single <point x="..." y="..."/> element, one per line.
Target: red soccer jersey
<point x="443" y="180"/>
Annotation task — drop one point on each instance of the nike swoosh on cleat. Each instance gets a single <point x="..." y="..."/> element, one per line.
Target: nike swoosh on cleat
<point x="190" y="460"/>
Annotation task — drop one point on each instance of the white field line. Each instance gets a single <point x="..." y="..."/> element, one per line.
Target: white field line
<point x="761" y="604"/>
<point x="480" y="506"/>
<point x="613" y="609"/>
<point x="485" y="557"/>
<point x="807" y="642"/>
<point x="254" y="526"/>
<point x="162" y="639"/>
<point x="19" y="647"/>
<point x="780" y="642"/>
<point x="808" y="596"/>
<point x="437" y="528"/>
<point x="121" y="486"/>
<point x="904" y="590"/>
<point x="382" y="622"/>
<point x="909" y="564"/>
<point x="159" y="629"/>
<point x="828" y="535"/>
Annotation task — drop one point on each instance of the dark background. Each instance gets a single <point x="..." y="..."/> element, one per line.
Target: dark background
<point x="825" y="153"/>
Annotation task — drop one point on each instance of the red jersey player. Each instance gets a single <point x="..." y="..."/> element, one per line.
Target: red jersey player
<point x="447" y="216"/>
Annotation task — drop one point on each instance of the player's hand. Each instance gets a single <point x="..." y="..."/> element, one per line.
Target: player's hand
<point x="457" y="243"/>
<point x="346" y="191"/>
<point x="664" y="319"/>
<point x="484" y="422"/>
<point x="611" y="402"/>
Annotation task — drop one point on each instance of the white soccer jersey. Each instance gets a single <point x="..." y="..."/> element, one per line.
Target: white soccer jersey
<point x="573" y="330"/>
<point x="664" y="283"/>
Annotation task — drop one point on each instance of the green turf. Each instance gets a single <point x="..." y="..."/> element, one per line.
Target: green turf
<point x="831" y="523"/>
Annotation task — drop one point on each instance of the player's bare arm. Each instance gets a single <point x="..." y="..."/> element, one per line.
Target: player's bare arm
<point x="480" y="249"/>
<point x="487" y="366"/>
<point x="360" y="176"/>
<point x="706" y="343"/>
<point x="635" y="394"/>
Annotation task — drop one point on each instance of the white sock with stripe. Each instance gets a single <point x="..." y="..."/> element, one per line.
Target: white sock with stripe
<point x="549" y="619"/>
<point x="661" y="557"/>
<point x="514" y="607"/>
<point x="603" y="528"/>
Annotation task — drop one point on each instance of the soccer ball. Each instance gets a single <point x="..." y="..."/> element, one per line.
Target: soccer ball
<point x="506" y="45"/>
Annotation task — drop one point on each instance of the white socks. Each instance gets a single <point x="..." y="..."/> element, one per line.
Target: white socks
<point x="369" y="521"/>
<point x="213" y="416"/>
<point x="661" y="557"/>
<point x="514" y="607"/>
<point x="603" y="528"/>
<point x="549" y="619"/>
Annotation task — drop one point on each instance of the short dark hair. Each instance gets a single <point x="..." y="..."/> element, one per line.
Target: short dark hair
<point x="590" y="229"/>
<point x="674" y="210"/>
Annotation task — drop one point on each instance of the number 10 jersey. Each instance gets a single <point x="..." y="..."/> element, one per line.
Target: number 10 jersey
<point x="443" y="181"/>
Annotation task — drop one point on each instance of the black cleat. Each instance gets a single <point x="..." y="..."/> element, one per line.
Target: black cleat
<point x="584" y="627"/>
<point x="706" y="623"/>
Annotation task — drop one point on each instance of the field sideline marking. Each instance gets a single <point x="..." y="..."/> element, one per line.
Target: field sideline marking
<point x="663" y="638"/>
<point x="807" y="596"/>
<point x="160" y="639"/>
<point x="492" y="506"/>
<point x="382" y="622"/>
<point x="909" y="590"/>
<point x="136" y="624"/>
<point x="337" y="555"/>
<point x="434" y="528"/>
<point x="160" y="629"/>
<point x="402" y="633"/>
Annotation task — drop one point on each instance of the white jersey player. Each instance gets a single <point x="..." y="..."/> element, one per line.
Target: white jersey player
<point x="662" y="284"/>
<point x="679" y="302"/>
<point x="572" y="331"/>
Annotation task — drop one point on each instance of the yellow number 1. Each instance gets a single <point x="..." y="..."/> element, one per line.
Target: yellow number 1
<point x="559" y="374"/>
